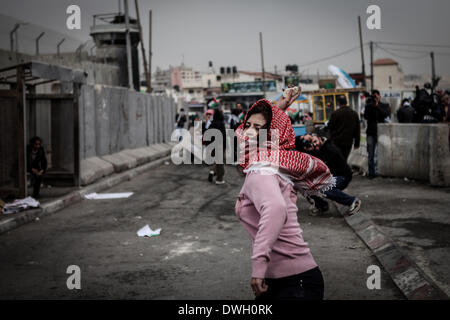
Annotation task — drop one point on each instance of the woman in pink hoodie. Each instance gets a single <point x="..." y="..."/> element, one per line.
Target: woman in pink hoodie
<point x="282" y="264"/>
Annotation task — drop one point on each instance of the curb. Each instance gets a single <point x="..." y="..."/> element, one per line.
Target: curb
<point x="407" y="276"/>
<point x="75" y="196"/>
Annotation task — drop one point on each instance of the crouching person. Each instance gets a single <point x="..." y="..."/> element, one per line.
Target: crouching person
<point x="326" y="151"/>
<point x="36" y="164"/>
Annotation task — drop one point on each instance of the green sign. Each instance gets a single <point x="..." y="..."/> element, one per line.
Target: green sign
<point x="246" y="87"/>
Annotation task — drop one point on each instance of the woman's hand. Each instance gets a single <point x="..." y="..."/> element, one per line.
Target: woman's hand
<point x="258" y="286"/>
<point x="284" y="103"/>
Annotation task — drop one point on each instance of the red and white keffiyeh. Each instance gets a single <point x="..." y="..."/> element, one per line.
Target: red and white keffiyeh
<point x="309" y="174"/>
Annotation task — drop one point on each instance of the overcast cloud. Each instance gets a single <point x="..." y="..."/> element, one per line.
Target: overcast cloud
<point x="294" y="31"/>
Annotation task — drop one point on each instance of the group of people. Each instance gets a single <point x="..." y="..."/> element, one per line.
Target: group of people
<point x="299" y="118"/>
<point x="427" y="107"/>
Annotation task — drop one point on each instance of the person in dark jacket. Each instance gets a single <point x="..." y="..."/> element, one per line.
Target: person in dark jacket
<point x="36" y="164"/>
<point x="405" y="114"/>
<point x="374" y="114"/>
<point x="218" y="168"/>
<point x="344" y="127"/>
<point x="385" y="107"/>
<point x="330" y="154"/>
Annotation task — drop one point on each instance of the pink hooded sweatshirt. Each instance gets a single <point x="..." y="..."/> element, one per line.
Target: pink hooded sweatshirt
<point x="268" y="211"/>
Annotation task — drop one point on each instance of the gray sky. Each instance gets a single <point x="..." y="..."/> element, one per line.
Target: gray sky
<point x="294" y="31"/>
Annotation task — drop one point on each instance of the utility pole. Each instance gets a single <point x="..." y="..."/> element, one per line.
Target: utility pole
<point x="150" y="53"/>
<point x="147" y="77"/>
<point x="127" y="35"/>
<point x="371" y="65"/>
<point x="433" y="73"/>
<point x="262" y="63"/>
<point x="362" y="52"/>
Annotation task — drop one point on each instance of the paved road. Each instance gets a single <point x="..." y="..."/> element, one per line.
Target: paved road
<point x="416" y="216"/>
<point x="202" y="253"/>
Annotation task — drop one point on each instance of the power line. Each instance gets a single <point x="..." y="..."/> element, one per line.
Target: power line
<point x="416" y="45"/>
<point x="414" y="51"/>
<point x="402" y="57"/>
<point x="330" y="57"/>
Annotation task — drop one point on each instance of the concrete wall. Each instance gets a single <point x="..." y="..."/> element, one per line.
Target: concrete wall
<point x="416" y="151"/>
<point x="97" y="73"/>
<point x="113" y="119"/>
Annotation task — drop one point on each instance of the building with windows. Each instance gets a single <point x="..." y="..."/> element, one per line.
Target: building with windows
<point x="387" y="75"/>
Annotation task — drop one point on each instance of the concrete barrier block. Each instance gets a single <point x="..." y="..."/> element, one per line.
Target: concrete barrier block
<point x="172" y="143"/>
<point x="153" y="153"/>
<point x="92" y="169"/>
<point x="121" y="161"/>
<point x="140" y="154"/>
<point x="159" y="147"/>
<point x="169" y="145"/>
<point x="403" y="150"/>
<point x="358" y="160"/>
<point x="439" y="173"/>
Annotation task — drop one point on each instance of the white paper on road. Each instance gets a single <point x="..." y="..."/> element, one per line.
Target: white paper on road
<point x="146" y="231"/>
<point x="102" y="196"/>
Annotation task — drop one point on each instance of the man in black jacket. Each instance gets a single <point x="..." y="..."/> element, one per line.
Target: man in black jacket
<point x="374" y="113"/>
<point x="385" y="107"/>
<point x="405" y="114"/>
<point x="344" y="127"/>
<point x="326" y="151"/>
<point x="36" y="164"/>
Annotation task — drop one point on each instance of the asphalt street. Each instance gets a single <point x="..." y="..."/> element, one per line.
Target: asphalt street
<point x="202" y="253"/>
<point x="416" y="216"/>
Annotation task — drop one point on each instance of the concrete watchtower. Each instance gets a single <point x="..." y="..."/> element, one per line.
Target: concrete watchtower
<point x="109" y="34"/>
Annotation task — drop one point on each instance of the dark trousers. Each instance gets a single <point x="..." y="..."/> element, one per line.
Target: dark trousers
<point x="36" y="183"/>
<point x="345" y="150"/>
<point x="219" y="170"/>
<point x="307" y="285"/>
<point x="336" y="194"/>
<point x="372" y="154"/>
